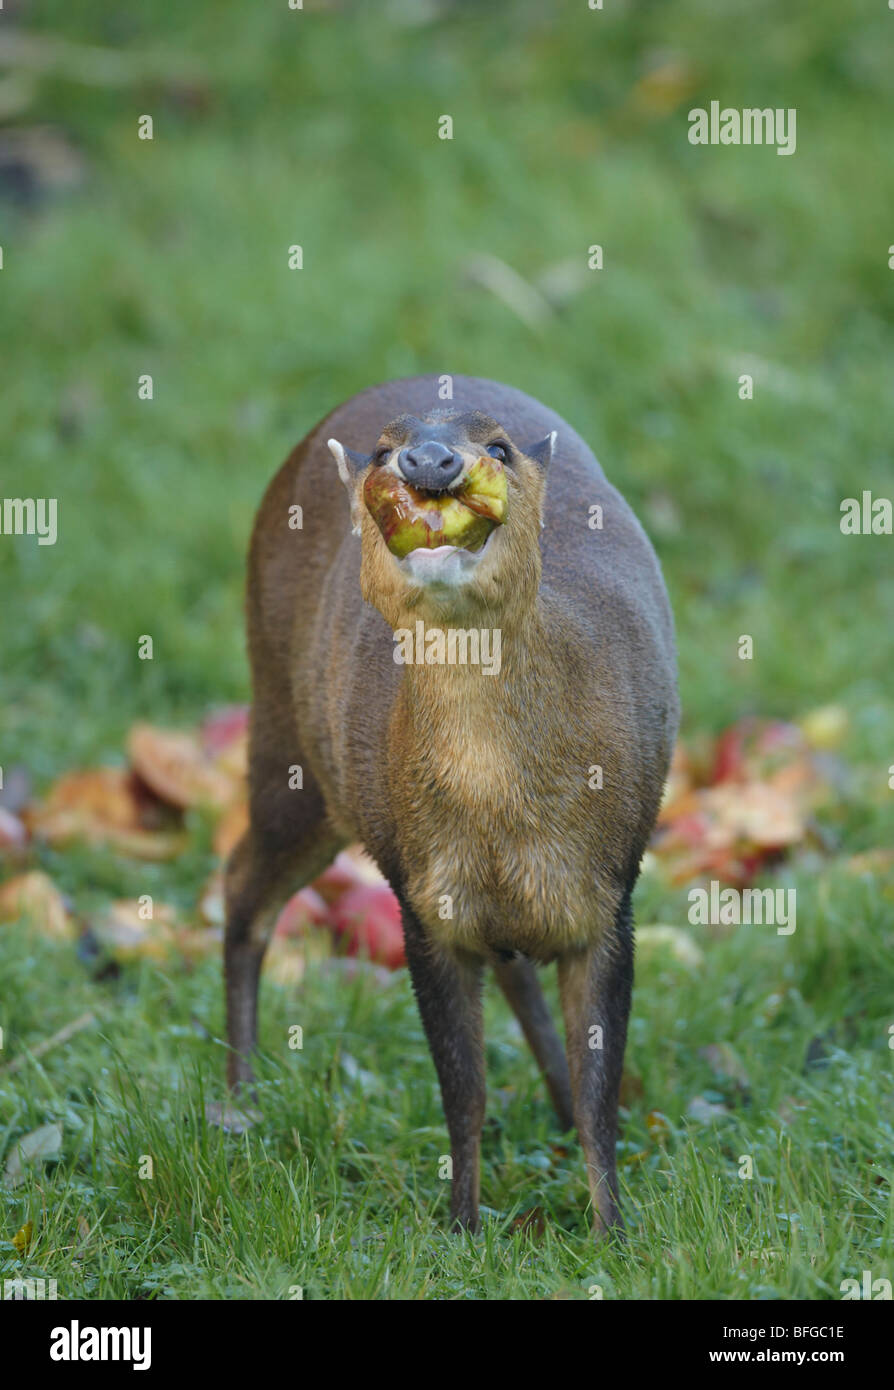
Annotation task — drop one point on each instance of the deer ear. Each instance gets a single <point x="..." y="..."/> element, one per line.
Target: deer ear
<point x="543" y="451"/>
<point x="350" y="465"/>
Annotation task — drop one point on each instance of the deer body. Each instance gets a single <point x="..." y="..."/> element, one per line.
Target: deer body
<point x="509" y="810"/>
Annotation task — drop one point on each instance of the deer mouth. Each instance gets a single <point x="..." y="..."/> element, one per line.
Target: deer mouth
<point x="436" y="523"/>
<point x="444" y="566"/>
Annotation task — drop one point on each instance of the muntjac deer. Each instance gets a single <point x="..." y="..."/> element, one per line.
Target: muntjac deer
<point x="508" y="802"/>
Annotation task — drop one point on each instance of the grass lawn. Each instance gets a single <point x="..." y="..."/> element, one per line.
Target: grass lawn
<point x="170" y="258"/>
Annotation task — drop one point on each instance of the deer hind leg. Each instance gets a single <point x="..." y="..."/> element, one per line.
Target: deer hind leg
<point x="518" y="980"/>
<point x="288" y="843"/>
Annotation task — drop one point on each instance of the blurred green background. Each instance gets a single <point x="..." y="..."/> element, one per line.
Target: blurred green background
<point x="319" y="127"/>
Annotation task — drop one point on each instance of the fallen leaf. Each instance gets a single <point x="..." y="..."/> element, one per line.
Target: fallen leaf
<point x="106" y="806"/>
<point x="40" y="1144"/>
<point x="22" y="1238"/>
<point x="176" y="768"/>
<point x="35" y="897"/>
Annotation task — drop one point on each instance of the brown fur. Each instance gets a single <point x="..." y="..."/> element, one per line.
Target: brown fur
<point x="459" y="783"/>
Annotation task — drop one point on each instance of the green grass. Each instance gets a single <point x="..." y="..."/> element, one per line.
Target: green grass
<point x="337" y="1189"/>
<point x="170" y="258"/>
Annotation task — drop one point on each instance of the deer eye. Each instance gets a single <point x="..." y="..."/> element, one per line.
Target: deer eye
<point x="381" y="454"/>
<point x="499" y="451"/>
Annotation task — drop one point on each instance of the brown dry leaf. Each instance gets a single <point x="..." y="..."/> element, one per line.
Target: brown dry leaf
<point x="36" y="897"/>
<point x="175" y="767"/>
<point x="757" y="814"/>
<point x="732" y="806"/>
<point x="105" y="794"/>
<point x="105" y="806"/>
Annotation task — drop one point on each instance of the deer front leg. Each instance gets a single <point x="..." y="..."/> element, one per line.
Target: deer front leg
<point x="448" y="993"/>
<point x="595" y="987"/>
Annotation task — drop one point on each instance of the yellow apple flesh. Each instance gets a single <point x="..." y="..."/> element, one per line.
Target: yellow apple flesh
<point x="412" y="520"/>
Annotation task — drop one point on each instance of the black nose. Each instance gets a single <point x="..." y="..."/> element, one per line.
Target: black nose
<point x="430" y="466"/>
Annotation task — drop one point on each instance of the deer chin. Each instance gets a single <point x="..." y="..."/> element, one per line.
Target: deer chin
<point x="443" y="566"/>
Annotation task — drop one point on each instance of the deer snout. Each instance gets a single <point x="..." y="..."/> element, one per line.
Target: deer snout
<point x="430" y="466"/>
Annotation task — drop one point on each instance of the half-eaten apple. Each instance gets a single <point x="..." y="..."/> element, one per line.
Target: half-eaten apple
<point x="412" y="520"/>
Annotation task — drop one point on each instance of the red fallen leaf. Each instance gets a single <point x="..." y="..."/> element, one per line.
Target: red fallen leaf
<point x="367" y="918"/>
<point x="352" y="868"/>
<point x="36" y="897"/>
<point x="177" y="770"/>
<point x="304" y="909"/>
<point x="753" y="749"/>
<point x="13" y="835"/>
<point x="729" y="762"/>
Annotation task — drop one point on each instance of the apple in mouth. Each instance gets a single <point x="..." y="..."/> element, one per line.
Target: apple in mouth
<point x="412" y="520"/>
